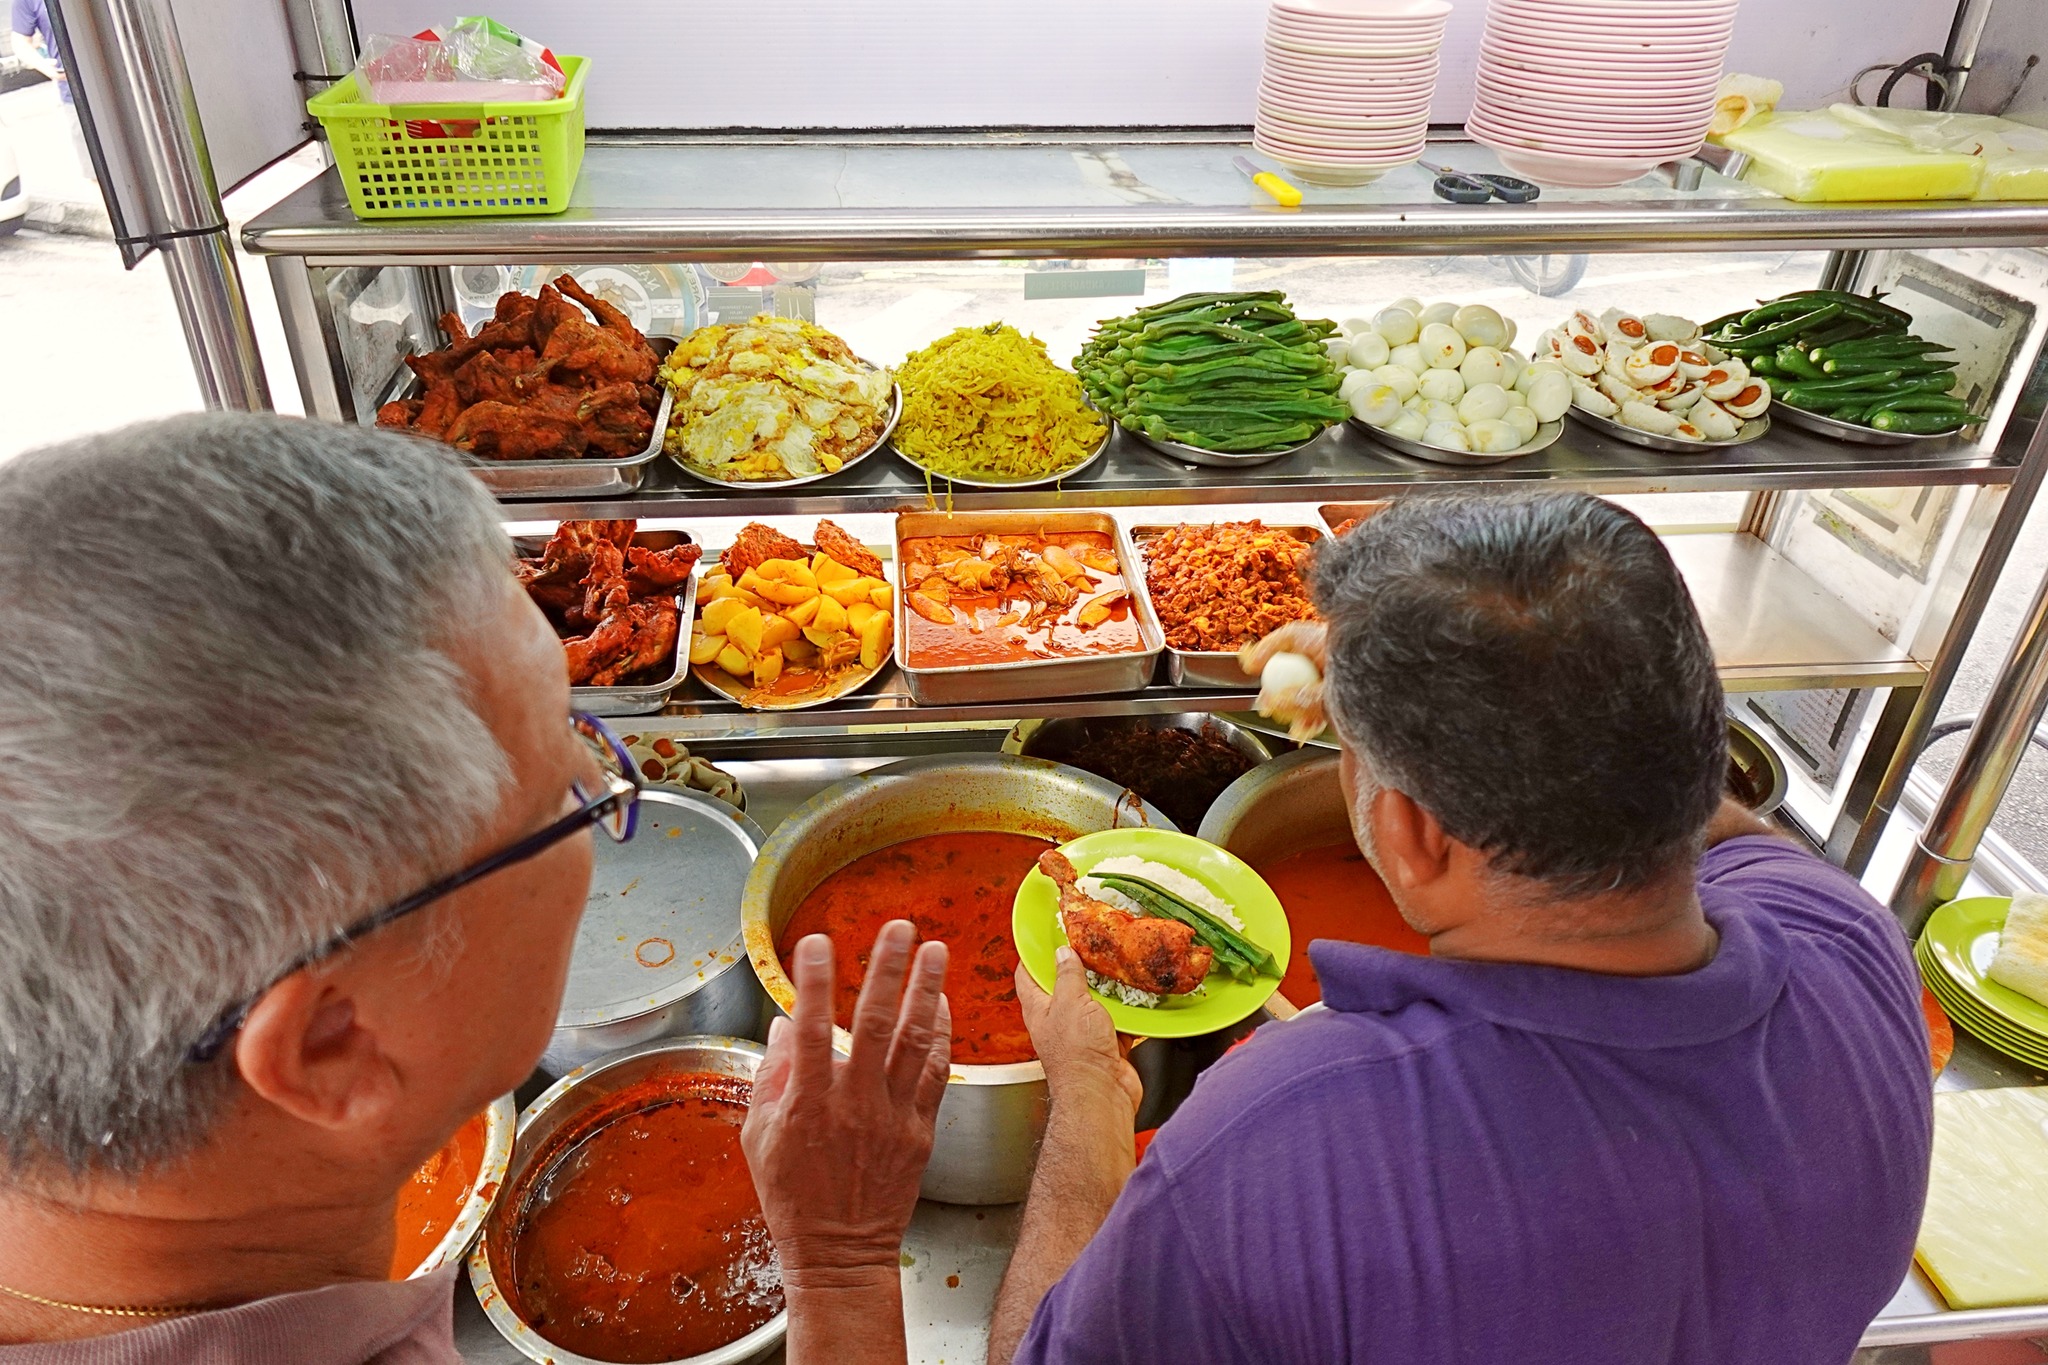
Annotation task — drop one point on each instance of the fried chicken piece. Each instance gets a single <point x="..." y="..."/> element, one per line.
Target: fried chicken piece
<point x="755" y="545"/>
<point x="504" y="431"/>
<point x="498" y="377"/>
<point x="609" y="318"/>
<point x="651" y="572"/>
<point x="653" y="626"/>
<point x="838" y="543"/>
<point x="587" y="655"/>
<point x="614" y="420"/>
<point x="400" y="414"/>
<point x="571" y="346"/>
<point x="1156" y="955"/>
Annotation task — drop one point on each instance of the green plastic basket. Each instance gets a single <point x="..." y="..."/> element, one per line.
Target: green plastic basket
<point x="455" y="160"/>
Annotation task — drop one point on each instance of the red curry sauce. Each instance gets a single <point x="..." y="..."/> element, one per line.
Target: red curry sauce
<point x="986" y="630"/>
<point x="1332" y="892"/>
<point x="642" y="1240"/>
<point x="957" y="888"/>
<point x="432" y="1200"/>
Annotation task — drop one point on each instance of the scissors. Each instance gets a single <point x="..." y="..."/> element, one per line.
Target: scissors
<point x="1464" y="187"/>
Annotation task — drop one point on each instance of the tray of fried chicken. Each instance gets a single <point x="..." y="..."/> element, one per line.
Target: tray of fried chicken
<point x="782" y="625"/>
<point x="544" y="399"/>
<point x="617" y="596"/>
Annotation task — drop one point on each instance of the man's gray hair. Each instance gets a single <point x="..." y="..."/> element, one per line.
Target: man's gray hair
<point x="229" y="724"/>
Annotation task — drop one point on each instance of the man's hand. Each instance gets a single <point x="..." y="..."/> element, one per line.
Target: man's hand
<point x="838" y="1146"/>
<point x="1302" y="709"/>
<point x="1072" y="1033"/>
<point x="1088" y="1151"/>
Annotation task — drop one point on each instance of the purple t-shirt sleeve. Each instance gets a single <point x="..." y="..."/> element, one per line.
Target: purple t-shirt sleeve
<point x="1802" y="891"/>
<point x="29" y="19"/>
<point x="1137" y="1294"/>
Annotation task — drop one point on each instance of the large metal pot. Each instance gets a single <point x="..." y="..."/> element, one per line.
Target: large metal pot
<point x="561" y="1103"/>
<point x="992" y="1117"/>
<point x="659" y="952"/>
<point x="1294" y="802"/>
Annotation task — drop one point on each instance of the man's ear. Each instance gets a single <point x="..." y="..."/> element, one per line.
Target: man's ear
<point x="1414" y="852"/>
<point x="304" y="1051"/>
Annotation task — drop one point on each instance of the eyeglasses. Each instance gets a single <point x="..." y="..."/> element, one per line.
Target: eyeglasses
<point x="610" y="800"/>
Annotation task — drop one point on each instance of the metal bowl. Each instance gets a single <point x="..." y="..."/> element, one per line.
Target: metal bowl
<point x="1295" y="802"/>
<point x="561" y="1103"/>
<point x="1756" y="775"/>
<point x="1752" y="429"/>
<point x="1545" y="437"/>
<point x="677" y="884"/>
<point x="1219" y="459"/>
<point x="992" y="1116"/>
<point x="757" y="485"/>
<point x="499" y="1122"/>
<point x="1049" y="739"/>
<point x="1024" y="481"/>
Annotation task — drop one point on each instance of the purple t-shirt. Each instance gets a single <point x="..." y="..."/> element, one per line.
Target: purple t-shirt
<point x="1496" y="1164"/>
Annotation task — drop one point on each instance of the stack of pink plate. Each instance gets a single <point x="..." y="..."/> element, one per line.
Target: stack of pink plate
<point x="1346" y="90"/>
<point x="1597" y="92"/>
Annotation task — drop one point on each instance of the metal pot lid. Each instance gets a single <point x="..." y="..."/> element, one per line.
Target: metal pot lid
<point x="663" y="916"/>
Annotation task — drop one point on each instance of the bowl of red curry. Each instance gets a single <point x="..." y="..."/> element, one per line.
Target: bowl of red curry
<point x="629" y="1231"/>
<point x="444" y="1204"/>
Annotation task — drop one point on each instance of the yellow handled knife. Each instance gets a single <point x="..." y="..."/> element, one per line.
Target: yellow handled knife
<point x="1283" y="193"/>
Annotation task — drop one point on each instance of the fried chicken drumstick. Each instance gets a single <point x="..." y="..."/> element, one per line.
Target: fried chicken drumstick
<point x="1156" y="955"/>
<point x="612" y="601"/>
<point x="538" y="381"/>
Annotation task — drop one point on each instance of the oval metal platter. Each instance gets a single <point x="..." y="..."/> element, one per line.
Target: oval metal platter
<point x="1859" y="434"/>
<point x="1546" y="436"/>
<point x="1219" y="459"/>
<point x="1607" y="426"/>
<point x="754" y="485"/>
<point x="1026" y="481"/>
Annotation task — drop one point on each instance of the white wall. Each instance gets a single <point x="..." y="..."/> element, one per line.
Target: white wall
<point x="1048" y="63"/>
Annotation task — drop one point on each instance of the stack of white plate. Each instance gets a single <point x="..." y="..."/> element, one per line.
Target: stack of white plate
<point x="1345" y="93"/>
<point x="1597" y="92"/>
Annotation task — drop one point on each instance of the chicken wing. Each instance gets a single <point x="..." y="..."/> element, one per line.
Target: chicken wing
<point x="649" y="572"/>
<point x="1156" y="955"/>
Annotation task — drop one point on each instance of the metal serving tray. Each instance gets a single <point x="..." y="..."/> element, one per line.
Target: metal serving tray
<point x="573" y="478"/>
<point x="1028" y="480"/>
<point x="641" y="699"/>
<point x="1036" y="678"/>
<point x="1752" y="428"/>
<point x="1218" y="459"/>
<point x="1859" y="434"/>
<point x="843" y="684"/>
<point x="1203" y="668"/>
<point x="1545" y="437"/>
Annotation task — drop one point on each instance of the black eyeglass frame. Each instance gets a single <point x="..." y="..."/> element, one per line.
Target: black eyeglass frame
<point x="622" y="792"/>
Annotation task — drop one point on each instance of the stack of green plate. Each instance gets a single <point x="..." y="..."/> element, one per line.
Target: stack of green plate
<point x="1955" y="952"/>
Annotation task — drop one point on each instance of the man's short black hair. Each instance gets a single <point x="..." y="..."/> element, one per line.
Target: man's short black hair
<point x="1529" y="669"/>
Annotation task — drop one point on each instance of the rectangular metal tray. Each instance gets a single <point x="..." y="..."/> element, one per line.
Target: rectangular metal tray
<point x="573" y="478"/>
<point x="1036" y="678"/>
<point x="1203" y="668"/>
<point x="642" y="699"/>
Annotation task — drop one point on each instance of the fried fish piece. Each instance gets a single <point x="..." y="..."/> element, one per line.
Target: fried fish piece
<point x="755" y="545"/>
<point x="837" y="542"/>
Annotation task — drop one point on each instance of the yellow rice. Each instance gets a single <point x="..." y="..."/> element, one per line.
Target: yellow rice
<point x="986" y="402"/>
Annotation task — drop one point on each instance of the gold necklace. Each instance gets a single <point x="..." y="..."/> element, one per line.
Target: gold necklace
<point x="27" y="1297"/>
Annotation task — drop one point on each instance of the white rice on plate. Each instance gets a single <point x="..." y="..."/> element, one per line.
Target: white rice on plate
<point x="1167" y="879"/>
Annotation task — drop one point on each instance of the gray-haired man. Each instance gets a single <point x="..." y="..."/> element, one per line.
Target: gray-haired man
<point x="294" y="836"/>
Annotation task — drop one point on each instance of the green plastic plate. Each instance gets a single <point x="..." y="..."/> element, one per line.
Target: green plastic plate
<point x="1035" y="922"/>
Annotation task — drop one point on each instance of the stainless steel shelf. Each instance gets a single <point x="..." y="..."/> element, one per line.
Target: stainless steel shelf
<point x="1344" y="466"/>
<point x="1772" y="626"/>
<point x="934" y="196"/>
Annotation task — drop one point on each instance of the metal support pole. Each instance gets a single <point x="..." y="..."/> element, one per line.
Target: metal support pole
<point x="1941" y="859"/>
<point x="1963" y="37"/>
<point x="130" y="72"/>
<point x="1852" y="849"/>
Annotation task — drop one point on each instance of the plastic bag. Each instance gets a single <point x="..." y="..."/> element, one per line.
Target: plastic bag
<point x="475" y="60"/>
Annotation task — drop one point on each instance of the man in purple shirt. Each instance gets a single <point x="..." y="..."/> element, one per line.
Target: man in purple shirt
<point x="1660" y="1092"/>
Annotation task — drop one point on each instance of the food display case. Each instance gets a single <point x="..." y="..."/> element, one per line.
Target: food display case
<point x="1839" y="581"/>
